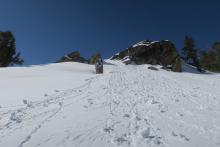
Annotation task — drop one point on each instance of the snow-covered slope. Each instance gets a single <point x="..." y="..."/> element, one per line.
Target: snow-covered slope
<point x="67" y="105"/>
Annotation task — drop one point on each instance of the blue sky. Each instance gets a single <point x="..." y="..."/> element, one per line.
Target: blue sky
<point x="45" y="30"/>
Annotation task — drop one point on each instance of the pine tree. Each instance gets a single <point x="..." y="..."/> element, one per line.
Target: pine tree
<point x="8" y="55"/>
<point x="216" y="48"/>
<point x="210" y="59"/>
<point x="190" y="52"/>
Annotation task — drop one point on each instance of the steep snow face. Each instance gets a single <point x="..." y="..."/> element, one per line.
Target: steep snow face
<point x="67" y="105"/>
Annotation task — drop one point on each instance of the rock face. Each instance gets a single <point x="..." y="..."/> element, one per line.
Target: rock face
<point x="153" y="52"/>
<point x="94" y="58"/>
<point x="73" y="57"/>
<point x="76" y="57"/>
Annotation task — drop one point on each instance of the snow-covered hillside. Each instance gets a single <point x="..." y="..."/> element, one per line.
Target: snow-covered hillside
<point x="67" y="105"/>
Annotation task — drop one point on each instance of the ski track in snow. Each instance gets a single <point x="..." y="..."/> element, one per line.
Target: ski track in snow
<point x="56" y="100"/>
<point x="127" y="107"/>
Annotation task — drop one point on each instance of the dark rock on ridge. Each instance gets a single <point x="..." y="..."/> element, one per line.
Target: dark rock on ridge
<point x="73" y="57"/>
<point x="153" y="52"/>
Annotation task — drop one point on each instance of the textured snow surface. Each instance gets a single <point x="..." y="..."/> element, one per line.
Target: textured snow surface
<point x="67" y="105"/>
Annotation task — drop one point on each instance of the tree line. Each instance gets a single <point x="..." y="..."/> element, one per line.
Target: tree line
<point x="208" y="59"/>
<point x="202" y="59"/>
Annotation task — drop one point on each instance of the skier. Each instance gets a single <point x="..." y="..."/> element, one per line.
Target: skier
<point x="99" y="66"/>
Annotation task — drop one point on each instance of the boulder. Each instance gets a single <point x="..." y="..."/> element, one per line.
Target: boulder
<point x="94" y="58"/>
<point x="73" y="57"/>
<point x="177" y="65"/>
<point x="153" y="52"/>
<point x="153" y="68"/>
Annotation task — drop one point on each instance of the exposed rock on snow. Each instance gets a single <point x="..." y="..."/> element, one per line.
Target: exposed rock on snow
<point x="153" y="68"/>
<point x="153" y="52"/>
<point x="73" y="57"/>
<point x="94" y="58"/>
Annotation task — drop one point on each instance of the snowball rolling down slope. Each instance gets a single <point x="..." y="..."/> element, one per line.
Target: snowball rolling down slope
<point x="67" y="105"/>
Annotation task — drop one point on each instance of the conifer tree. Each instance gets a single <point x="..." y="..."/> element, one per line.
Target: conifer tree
<point x="216" y="48"/>
<point x="190" y="52"/>
<point x="8" y="55"/>
<point x="210" y="59"/>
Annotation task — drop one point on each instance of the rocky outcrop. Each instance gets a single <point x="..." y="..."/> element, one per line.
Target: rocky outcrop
<point x="177" y="65"/>
<point x="76" y="57"/>
<point x="73" y="57"/>
<point x="94" y="58"/>
<point x="153" y="52"/>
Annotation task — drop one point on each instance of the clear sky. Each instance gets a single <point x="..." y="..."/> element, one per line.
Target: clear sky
<point x="45" y="30"/>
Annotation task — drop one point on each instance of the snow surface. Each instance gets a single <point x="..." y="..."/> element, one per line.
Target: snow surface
<point x="126" y="59"/>
<point x="67" y="105"/>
